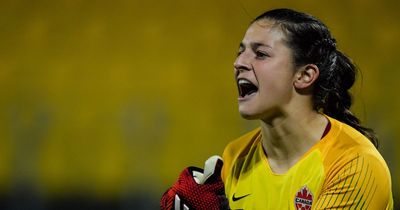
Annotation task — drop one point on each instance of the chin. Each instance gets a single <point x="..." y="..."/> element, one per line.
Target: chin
<point x="248" y="112"/>
<point x="248" y="116"/>
<point x="264" y="115"/>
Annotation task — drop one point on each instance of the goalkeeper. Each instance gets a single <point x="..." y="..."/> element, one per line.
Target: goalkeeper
<point x="310" y="151"/>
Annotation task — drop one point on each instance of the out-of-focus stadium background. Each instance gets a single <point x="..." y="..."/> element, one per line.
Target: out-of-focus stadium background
<point x="103" y="103"/>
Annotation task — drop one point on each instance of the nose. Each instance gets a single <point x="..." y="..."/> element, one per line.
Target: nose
<point x="242" y="63"/>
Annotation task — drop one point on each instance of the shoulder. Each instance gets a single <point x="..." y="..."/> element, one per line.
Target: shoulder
<point x="238" y="148"/>
<point x="355" y="171"/>
<point x="344" y="145"/>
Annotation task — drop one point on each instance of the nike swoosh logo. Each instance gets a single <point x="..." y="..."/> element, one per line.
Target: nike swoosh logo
<point x="238" y="198"/>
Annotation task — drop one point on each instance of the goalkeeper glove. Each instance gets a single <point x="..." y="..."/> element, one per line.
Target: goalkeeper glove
<point x="197" y="189"/>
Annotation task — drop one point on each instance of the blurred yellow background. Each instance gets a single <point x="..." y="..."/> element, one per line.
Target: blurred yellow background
<point x="105" y="102"/>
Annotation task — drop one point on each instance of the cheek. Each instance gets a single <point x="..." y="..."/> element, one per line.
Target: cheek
<point x="278" y="86"/>
<point x="276" y="81"/>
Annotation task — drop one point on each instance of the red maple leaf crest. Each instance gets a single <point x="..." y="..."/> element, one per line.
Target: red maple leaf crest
<point x="303" y="199"/>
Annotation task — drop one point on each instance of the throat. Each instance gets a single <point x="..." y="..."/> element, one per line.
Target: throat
<point x="286" y="144"/>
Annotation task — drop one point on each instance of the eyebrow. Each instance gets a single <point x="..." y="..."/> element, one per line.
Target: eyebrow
<point x="254" y="45"/>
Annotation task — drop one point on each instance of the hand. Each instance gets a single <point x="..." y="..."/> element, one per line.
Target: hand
<point x="197" y="189"/>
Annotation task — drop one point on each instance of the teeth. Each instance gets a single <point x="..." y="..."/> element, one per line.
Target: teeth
<point x="243" y="81"/>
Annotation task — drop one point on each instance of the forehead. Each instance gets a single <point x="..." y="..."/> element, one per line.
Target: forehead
<point x="264" y="31"/>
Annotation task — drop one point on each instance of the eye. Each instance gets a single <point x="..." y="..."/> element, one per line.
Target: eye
<point x="240" y="52"/>
<point x="261" y="54"/>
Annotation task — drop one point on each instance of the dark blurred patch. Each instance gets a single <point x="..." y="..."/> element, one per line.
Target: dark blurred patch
<point x="141" y="200"/>
<point x="32" y="201"/>
<point x="396" y="201"/>
<point x="81" y="203"/>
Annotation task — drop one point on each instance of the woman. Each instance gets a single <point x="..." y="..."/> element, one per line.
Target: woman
<point x="310" y="150"/>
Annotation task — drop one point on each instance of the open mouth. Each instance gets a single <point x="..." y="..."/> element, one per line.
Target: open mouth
<point x="246" y="87"/>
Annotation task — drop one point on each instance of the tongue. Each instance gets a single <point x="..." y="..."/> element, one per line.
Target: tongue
<point x="247" y="89"/>
<point x="251" y="92"/>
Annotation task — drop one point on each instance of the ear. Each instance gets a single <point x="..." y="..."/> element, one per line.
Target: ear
<point x="306" y="76"/>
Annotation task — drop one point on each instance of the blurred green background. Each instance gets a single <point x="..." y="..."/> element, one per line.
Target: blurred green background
<point x="103" y="103"/>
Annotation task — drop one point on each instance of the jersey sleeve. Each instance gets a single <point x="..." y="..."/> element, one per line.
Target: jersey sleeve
<point x="360" y="182"/>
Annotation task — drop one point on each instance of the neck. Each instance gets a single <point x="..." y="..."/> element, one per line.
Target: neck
<point x="286" y="138"/>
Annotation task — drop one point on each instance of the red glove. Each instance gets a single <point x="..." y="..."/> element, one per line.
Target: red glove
<point x="197" y="189"/>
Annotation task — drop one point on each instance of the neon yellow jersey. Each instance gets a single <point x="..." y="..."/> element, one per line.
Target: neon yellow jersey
<point x="343" y="170"/>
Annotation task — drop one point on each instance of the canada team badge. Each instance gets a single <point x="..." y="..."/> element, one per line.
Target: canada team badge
<point x="303" y="199"/>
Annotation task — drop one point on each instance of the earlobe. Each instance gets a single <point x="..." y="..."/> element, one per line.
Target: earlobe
<point x="306" y="76"/>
